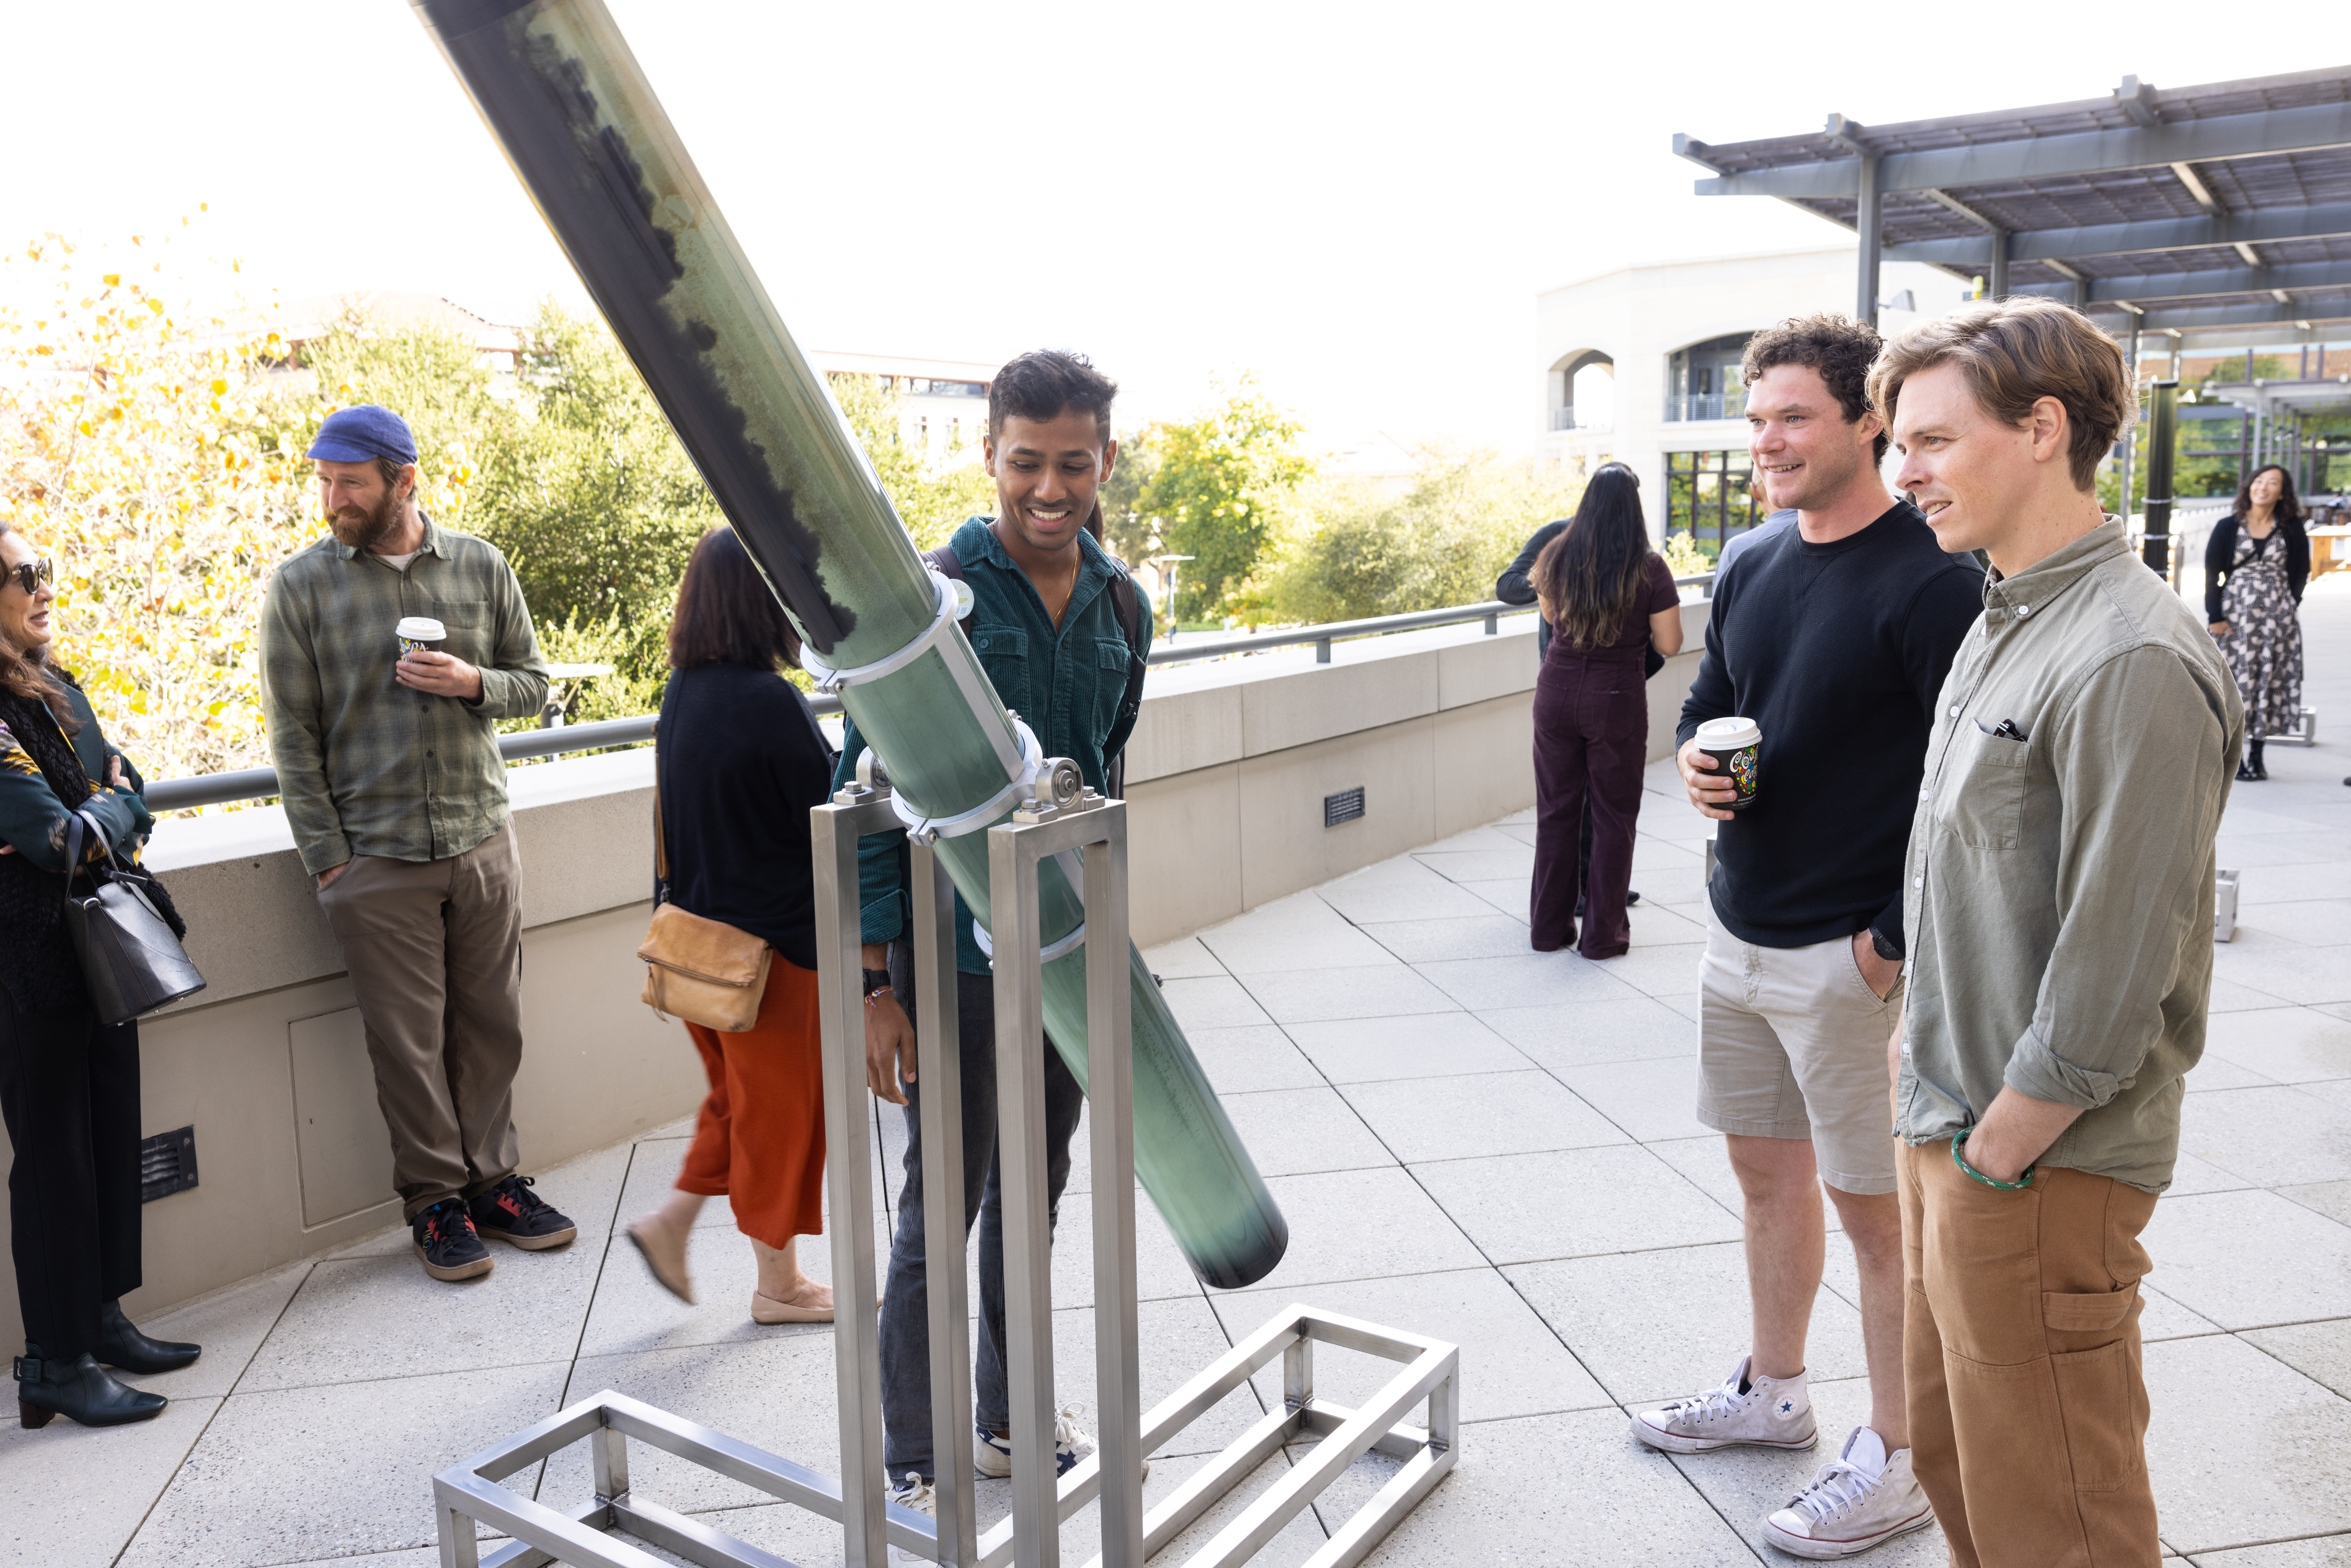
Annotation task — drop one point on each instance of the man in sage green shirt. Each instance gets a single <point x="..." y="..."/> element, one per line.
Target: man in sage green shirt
<point x="387" y="764"/>
<point x="2059" y="907"/>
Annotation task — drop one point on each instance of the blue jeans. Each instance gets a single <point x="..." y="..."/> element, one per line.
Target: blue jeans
<point x="905" y="1297"/>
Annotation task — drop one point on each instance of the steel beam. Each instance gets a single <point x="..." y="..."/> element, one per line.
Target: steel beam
<point x="2196" y="318"/>
<point x="2120" y="239"/>
<point x="2141" y="288"/>
<point x="2054" y="157"/>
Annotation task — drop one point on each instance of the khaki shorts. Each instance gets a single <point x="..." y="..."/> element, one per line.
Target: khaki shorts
<point x="1791" y="1044"/>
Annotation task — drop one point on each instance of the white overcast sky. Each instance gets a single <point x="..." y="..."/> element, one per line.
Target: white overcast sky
<point x="1360" y="203"/>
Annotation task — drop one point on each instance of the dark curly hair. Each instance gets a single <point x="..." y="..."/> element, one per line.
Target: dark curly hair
<point x="1043" y="383"/>
<point x="1840" y="348"/>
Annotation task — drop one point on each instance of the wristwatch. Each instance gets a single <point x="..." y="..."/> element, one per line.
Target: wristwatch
<point x="1889" y="951"/>
<point x="876" y="980"/>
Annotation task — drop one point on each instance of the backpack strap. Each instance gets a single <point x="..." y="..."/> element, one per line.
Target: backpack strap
<point x="1126" y="601"/>
<point x="950" y="564"/>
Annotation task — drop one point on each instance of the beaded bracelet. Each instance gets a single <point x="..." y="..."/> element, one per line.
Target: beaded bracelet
<point x="875" y="995"/>
<point x="2019" y="1185"/>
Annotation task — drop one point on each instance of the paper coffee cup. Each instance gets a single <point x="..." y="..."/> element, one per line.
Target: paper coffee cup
<point x="420" y="634"/>
<point x="1736" y="747"/>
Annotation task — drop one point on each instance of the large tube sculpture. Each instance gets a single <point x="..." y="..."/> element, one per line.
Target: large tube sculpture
<point x="560" y="90"/>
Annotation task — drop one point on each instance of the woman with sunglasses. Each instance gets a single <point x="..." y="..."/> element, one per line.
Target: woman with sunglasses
<point x="69" y="1085"/>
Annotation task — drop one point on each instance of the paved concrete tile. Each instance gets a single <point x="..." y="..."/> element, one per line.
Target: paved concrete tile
<point x="1627" y="1508"/>
<point x="1479" y="936"/>
<point x="1251" y="1056"/>
<point x="414" y="1557"/>
<point x="1161" y="1271"/>
<point x="1524" y="832"/>
<point x="1400" y="889"/>
<point x="1511" y="1363"/>
<point x="1490" y="837"/>
<point x="2295" y="973"/>
<point x="2160" y="1317"/>
<point x="2318" y="1351"/>
<point x="364" y="1318"/>
<point x="1663" y="926"/>
<point x="1292" y="1132"/>
<point x="1358" y="1224"/>
<point x="1300" y="932"/>
<point x="1579" y="1034"/>
<point x="366" y="1454"/>
<point x="1685" y="1003"/>
<point x="1659" y="1325"/>
<point x="1490" y="1113"/>
<point x="776" y="1394"/>
<point x="230" y="1324"/>
<point x="1530" y="980"/>
<point x="1214" y="1001"/>
<point x="653" y="1176"/>
<point x="1422" y="1045"/>
<point x="2331" y="1198"/>
<point x="1481" y="865"/>
<point x="2325" y="1551"/>
<point x="2270" y="1136"/>
<point x="2242" y="1448"/>
<point x="2217" y="1254"/>
<point x="1650" y="1100"/>
<point x="1657" y="971"/>
<point x="1522" y="1208"/>
<point x="2310" y="922"/>
<point x="2220" y="1073"/>
<point x="633" y="1313"/>
<point x="1509" y="895"/>
<point x="1681" y="889"/>
<point x="2229" y="997"/>
<point x="2292" y="884"/>
<point x="1653" y="853"/>
<point x="71" y="1497"/>
<point x="1183" y="959"/>
<point x="2286" y="1045"/>
<point x="1311" y="995"/>
<point x="1747" y="1485"/>
<point x="2190" y="1176"/>
<point x="2238" y="851"/>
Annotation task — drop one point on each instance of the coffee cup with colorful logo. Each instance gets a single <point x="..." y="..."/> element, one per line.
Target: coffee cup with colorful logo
<point x="1736" y="747"/>
<point x="420" y="634"/>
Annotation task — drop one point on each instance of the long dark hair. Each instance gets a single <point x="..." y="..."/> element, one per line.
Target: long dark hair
<point x="2289" y="504"/>
<point x="1589" y="579"/>
<point x="727" y="614"/>
<point x="28" y="677"/>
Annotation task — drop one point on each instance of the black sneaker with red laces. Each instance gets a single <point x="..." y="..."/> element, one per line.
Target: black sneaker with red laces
<point x="512" y="1212"/>
<point x="446" y="1242"/>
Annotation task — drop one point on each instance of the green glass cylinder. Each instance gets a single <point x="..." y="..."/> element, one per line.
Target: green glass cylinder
<point x="575" y="116"/>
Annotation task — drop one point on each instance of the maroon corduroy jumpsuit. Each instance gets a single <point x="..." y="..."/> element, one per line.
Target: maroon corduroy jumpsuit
<point x="1592" y="735"/>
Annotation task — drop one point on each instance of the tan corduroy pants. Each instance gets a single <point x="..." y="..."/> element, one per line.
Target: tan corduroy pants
<point x="2021" y="1349"/>
<point x="434" y="950"/>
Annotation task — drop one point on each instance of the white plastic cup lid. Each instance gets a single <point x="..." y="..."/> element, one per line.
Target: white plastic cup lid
<point x="1728" y="734"/>
<point x="421" y="629"/>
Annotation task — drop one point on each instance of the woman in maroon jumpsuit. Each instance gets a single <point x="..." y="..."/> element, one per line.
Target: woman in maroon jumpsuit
<point x="1609" y="598"/>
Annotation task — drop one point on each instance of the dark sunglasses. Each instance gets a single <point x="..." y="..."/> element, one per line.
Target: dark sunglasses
<point x="33" y="573"/>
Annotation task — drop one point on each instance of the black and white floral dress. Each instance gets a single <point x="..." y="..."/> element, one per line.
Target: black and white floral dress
<point x="2263" y="646"/>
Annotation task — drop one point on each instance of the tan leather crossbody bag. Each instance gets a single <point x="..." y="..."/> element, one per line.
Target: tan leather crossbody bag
<point x="704" y="971"/>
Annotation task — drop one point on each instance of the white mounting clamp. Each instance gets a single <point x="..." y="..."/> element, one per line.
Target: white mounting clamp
<point x="954" y="604"/>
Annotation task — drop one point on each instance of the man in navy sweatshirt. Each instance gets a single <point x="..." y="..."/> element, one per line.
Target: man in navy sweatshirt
<point x="1833" y="636"/>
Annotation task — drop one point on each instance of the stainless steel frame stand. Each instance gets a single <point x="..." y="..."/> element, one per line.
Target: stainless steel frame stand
<point x="1092" y="830"/>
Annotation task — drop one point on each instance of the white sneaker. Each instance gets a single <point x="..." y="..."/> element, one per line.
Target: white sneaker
<point x="1862" y="1498"/>
<point x="1774" y="1413"/>
<point x="991" y="1456"/>
<point x="916" y="1494"/>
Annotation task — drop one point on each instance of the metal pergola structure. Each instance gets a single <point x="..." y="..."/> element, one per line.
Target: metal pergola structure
<point x="2221" y="213"/>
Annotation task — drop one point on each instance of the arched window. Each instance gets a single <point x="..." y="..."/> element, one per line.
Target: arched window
<point x="1703" y="380"/>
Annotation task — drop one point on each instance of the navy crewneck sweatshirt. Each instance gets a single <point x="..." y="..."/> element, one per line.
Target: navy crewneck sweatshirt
<point x="1838" y="651"/>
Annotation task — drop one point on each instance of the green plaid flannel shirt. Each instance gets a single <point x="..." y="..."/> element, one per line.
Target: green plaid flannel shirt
<point x="369" y="767"/>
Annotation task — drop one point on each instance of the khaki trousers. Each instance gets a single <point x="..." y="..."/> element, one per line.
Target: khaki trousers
<point x="2020" y="1350"/>
<point x="434" y="950"/>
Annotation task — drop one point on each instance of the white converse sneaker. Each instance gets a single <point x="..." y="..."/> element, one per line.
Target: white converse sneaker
<point x="1859" y="1500"/>
<point x="1773" y="1413"/>
<point x="991" y="1456"/>
<point x="916" y="1494"/>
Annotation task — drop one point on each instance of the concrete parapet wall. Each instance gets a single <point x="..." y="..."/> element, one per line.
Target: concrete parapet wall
<point x="1227" y="775"/>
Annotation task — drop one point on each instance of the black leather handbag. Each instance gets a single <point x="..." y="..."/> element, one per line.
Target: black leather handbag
<point x="130" y="958"/>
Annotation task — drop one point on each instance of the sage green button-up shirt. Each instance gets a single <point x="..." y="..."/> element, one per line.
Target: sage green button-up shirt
<point x="365" y="765"/>
<point x="2059" y="881"/>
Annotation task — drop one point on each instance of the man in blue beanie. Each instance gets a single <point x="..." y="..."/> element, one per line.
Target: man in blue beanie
<point x="388" y="649"/>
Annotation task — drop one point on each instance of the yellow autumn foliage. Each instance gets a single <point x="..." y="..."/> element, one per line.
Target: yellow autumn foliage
<point x="156" y="454"/>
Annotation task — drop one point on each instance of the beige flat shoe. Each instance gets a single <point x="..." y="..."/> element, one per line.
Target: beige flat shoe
<point x="769" y="1311"/>
<point x="664" y="1250"/>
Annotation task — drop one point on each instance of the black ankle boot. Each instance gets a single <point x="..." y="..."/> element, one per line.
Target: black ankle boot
<point x="121" y="1345"/>
<point x="80" y="1389"/>
<point x="2261" y="769"/>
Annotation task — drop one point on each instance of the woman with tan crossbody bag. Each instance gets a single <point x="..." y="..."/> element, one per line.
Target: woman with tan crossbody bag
<point x="731" y="948"/>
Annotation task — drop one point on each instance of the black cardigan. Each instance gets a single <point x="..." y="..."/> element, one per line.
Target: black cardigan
<point x="2220" y="550"/>
<point x="741" y="764"/>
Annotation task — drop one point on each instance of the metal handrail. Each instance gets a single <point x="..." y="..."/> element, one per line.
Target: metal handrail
<point x="260" y="783"/>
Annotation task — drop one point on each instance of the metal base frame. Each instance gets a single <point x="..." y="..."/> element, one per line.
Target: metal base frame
<point x="1095" y="831"/>
<point x="2307" y="736"/>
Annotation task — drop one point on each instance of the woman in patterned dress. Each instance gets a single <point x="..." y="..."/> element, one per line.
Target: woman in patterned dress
<point x="2255" y="567"/>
